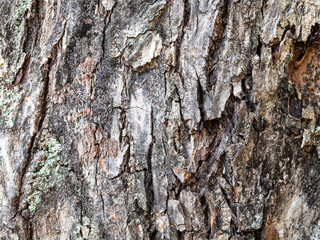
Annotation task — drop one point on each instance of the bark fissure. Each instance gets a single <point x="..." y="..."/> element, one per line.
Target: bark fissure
<point x="35" y="137"/>
<point x="186" y="16"/>
<point x="22" y="74"/>
<point x="215" y="43"/>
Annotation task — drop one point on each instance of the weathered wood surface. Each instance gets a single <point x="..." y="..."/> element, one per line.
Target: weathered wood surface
<point x="162" y="119"/>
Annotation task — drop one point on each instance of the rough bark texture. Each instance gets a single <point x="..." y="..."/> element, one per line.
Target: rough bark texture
<point x="159" y="119"/>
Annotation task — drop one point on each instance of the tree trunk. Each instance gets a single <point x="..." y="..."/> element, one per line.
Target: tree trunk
<point x="167" y="119"/>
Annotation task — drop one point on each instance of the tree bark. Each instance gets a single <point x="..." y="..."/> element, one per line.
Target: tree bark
<point x="162" y="119"/>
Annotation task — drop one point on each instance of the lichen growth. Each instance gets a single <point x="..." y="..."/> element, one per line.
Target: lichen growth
<point x="46" y="174"/>
<point x="34" y="200"/>
<point x="18" y="18"/>
<point x="9" y="101"/>
<point x="18" y="26"/>
<point x="21" y="8"/>
<point x="86" y="230"/>
<point x="3" y="67"/>
<point x="317" y="131"/>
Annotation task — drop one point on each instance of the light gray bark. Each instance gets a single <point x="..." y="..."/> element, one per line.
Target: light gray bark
<point x="162" y="119"/>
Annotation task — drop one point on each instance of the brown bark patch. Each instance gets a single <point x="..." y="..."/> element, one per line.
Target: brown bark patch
<point x="87" y="69"/>
<point x="108" y="146"/>
<point x="95" y="143"/>
<point x="269" y="232"/>
<point x="304" y="73"/>
<point x="88" y="76"/>
<point x="52" y="224"/>
<point x="74" y="114"/>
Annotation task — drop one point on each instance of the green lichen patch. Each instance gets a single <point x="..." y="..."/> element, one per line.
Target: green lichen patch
<point x="3" y="67"/>
<point x="18" y="26"/>
<point x="21" y="8"/>
<point x="86" y="230"/>
<point x="9" y="100"/>
<point x="46" y="175"/>
<point x="34" y="200"/>
<point x="317" y="131"/>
